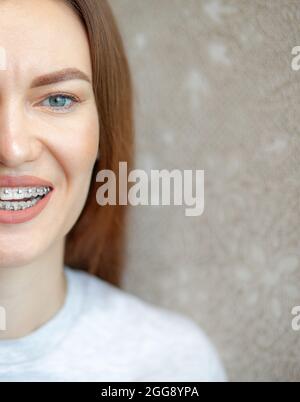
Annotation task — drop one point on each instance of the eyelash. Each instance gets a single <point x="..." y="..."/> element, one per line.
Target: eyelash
<point x="62" y="109"/>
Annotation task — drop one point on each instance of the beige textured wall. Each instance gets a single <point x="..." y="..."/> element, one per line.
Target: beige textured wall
<point x="215" y="91"/>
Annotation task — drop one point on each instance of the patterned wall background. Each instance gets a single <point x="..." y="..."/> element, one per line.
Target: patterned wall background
<point x="215" y="91"/>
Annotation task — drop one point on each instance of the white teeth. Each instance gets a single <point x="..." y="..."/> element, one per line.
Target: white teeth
<point x="17" y="198"/>
<point x="17" y="205"/>
<point x="21" y="193"/>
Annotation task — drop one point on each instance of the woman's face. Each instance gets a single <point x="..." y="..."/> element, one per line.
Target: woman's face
<point x="48" y="123"/>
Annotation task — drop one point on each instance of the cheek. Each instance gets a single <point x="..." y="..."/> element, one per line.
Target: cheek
<point x="81" y="155"/>
<point x="75" y="154"/>
<point x="76" y="148"/>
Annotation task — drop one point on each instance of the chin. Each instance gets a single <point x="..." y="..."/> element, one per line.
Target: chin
<point x="21" y="249"/>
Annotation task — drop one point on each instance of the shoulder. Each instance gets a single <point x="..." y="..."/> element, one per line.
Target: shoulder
<point x="162" y="334"/>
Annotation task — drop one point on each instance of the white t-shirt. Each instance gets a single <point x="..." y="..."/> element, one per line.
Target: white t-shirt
<point x="103" y="333"/>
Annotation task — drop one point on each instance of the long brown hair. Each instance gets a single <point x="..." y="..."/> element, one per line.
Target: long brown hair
<point x="96" y="242"/>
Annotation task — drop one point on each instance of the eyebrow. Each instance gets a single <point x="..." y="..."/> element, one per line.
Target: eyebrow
<point x="66" y="74"/>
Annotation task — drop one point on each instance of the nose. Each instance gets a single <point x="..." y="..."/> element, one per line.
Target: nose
<point x="18" y="143"/>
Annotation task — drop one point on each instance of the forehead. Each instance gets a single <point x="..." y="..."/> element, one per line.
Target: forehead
<point x="41" y="36"/>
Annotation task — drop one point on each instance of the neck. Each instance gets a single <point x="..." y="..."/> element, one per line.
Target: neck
<point x="32" y="294"/>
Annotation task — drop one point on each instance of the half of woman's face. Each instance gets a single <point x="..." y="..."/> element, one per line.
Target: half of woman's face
<point x="48" y="120"/>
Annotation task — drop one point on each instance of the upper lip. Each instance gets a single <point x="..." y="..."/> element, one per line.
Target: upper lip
<point x="24" y="181"/>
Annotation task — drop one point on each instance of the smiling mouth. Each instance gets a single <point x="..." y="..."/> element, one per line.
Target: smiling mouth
<point x="20" y="198"/>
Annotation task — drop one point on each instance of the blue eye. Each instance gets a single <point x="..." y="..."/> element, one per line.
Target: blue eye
<point x="59" y="101"/>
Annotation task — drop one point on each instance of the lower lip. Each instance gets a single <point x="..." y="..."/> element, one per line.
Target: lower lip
<point x="25" y="215"/>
